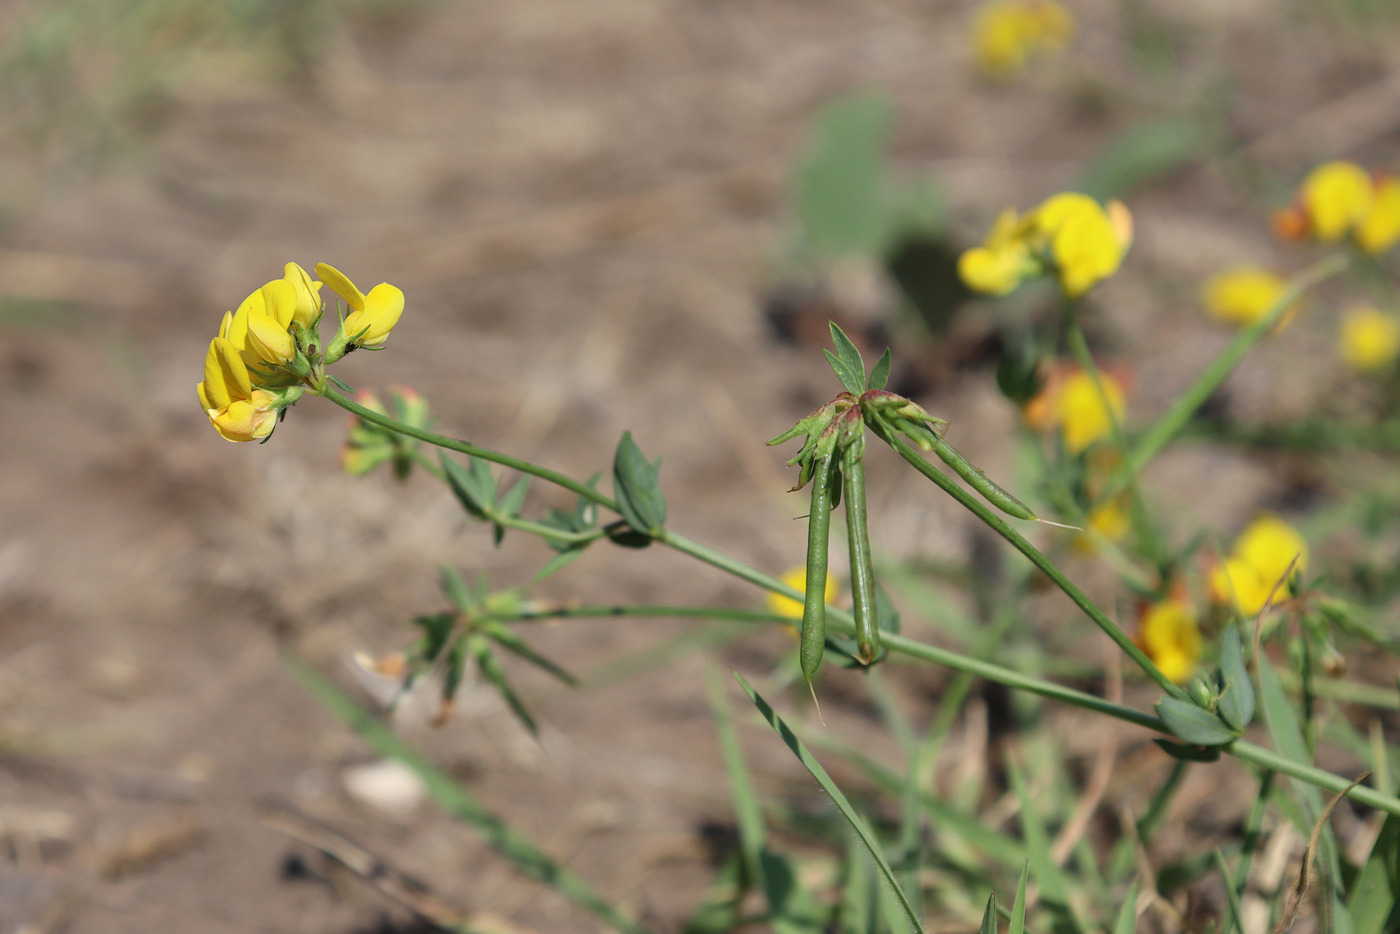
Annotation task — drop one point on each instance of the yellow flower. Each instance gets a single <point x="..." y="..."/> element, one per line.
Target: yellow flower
<point x="1007" y="33"/>
<point x="1167" y="632"/>
<point x="260" y="326"/>
<point x="797" y="579"/>
<point x="237" y="410"/>
<point x="1370" y="339"/>
<point x="1339" y="199"/>
<point x="308" y="302"/>
<point x="1244" y="294"/>
<point x="1080" y="411"/>
<point x="372" y="316"/>
<point x="1083" y="242"/>
<point x="999" y="265"/>
<point x="1087" y="243"/>
<point x="1380" y="228"/>
<point x="1261" y="559"/>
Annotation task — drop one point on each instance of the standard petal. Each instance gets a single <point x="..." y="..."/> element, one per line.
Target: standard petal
<point x="280" y="298"/>
<point x="341" y="286"/>
<point x="231" y="370"/>
<point x="308" y="304"/>
<point x="213" y="391"/>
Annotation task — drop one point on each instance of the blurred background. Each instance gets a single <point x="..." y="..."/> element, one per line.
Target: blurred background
<point x="606" y="216"/>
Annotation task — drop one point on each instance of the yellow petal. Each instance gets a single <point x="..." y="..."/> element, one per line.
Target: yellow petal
<point x="993" y="271"/>
<point x="1081" y="412"/>
<point x="1336" y="197"/>
<point x="341" y="286"/>
<point x="203" y="398"/>
<point x="1243" y="295"/>
<point x="230" y="374"/>
<point x="1086" y="250"/>
<point x="1380" y="229"/>
<point x="1237" y="581"/>
<point x="280" y="301"/>
<point x="308" y="301"/>
<point x="214" y="392"/>
<point x="246" y="419"/>
<point x="1170" y="637"/>
<point x="382" y="308"/>
<point x="268" y="340"/>
<point x="796" y="578"/>
<point x="1270" y="546"/>
<point x="1370" y="339"/>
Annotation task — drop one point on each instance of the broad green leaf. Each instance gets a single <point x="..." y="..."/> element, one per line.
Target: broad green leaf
<point x="814" y="768"/>
<point x="638" y="489"/>
<point x="880" y="373"/>
<point x="1192" y="724"/>
<point x="843" y="196"/>
<point x="1236" y="703"/>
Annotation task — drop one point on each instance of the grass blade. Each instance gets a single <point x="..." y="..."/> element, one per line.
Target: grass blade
<point x="867" y="837"/>
<point x="747" y="813"/>
<point x="457" y="801"/>
<point x="1018" y="908"/>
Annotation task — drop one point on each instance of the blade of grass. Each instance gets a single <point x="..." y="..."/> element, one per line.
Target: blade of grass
<point x="1054" y="888"/>
<point x="814" y="768"/>
<point x="1018" y="908"/>
<point x="457" y="801"/>
<point x="1127" y="917"/>
<point x="747" y="812"/>
<point x="1235" y="918"/>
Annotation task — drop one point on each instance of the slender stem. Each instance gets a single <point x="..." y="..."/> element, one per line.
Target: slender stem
<point x="466" y="447"/>
<point x="996" y="524"/>
<point x="1174" y="421"/>
<point x="1269" y="759"/>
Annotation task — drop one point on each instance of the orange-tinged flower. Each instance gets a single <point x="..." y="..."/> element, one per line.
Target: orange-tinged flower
<point x="1340" y="199"/>
<point x="797" y="579"/>
<point x="372" y="316"/>
<point x="237" y="410"/>
<point x="1244" y="294"/>
<point x="1168" y="633"/>
<point x="1370" y="339"/>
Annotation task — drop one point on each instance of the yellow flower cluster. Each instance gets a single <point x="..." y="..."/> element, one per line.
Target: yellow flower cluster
<point x="1260" y="561"/>
<point x="1244" y="294"/>
<point x="1340" y="199"/>
<point x="266" y="353"/>
<point x="1006" y="34"/>
<point x="1073" y="403"/>
<point x="1070" y="234"/>
<point x="1370" y="339"/>
<point x="1168" y="633"/>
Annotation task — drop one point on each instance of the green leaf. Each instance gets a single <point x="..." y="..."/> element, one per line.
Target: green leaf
<point x="1018" y="909"/>
<point x="748" y="812"/>
<point x="638" y="490"/>
<point x="1192" y="724"/>
<point x="490" y="667"/>
<point x="1053" y="885"/>
<point x="1377" y="888"/>
<point x="880" y="374"/>
<point x="459" y="804"/>
<point x="456" y="589"/>
<point x="1236" y="703"/>
<point x="477" y="493"/>
<point x="510" y="640"/>
<point x="1189" y="753"/>
<point x="849" y="355"/>
<point x="989" y="916"/>
<point x="1127" y="918"/>
<point x="814" y="768"/>
<point x="511" y="503"/>
<point x="853" y="380"/>
<point x="437" y="628"/>
<point x="843" y="196"/>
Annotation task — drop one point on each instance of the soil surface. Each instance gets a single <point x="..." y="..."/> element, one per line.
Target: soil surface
<point x="587" y="206"/>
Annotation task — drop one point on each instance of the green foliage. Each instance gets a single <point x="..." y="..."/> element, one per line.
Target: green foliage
<point x="638" y="488"/>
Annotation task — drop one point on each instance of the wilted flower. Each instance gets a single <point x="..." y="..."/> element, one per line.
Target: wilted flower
<point x="1007" y="33"/>
<point x="1369" y="339"/>
<point x="1340" y="199"/>
<point x="1167" y="632"/>
<point x="1259" y="562"/>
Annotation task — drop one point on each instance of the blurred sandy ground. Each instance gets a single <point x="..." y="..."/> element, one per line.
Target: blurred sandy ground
<point x="585" y="204"/>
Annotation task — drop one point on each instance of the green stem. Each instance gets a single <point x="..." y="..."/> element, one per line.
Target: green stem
<point x="1174" y="421"/>
<point x="996" y="524"/>
<point x="466" y="447"/>
<point x="1325" y="780"/>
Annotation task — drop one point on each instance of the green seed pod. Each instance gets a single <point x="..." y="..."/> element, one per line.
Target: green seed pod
<point x="813" y="639"/>
<point x="862" y="568"/>
<point x="979" y="481"/>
